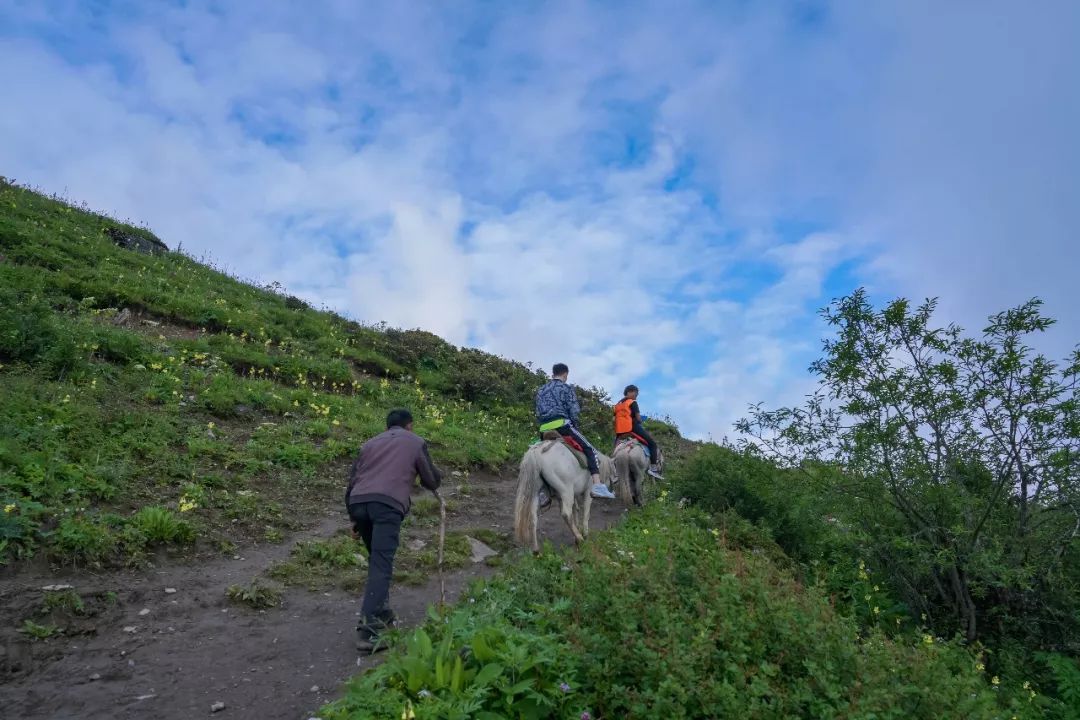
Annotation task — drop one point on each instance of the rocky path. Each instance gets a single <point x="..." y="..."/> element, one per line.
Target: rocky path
<point x="170" y="645"/>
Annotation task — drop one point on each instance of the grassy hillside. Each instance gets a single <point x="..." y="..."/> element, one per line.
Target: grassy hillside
<point x="149" y="399"/>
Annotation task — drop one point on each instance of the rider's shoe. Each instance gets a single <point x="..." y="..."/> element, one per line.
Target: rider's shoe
<point x="600" y="490"/>
<point x="545" y="501"/>
<point x="655" y="472"/>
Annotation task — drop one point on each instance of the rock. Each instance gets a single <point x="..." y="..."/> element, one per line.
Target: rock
<point x="145" y="697"/>
<point x="144" y="243"/>
<point x="416" y="545"/>
<point x="217" y="707"/>
<point x="122" y="317"/>
<point x="480" y="551"/>
<point x="314" y="688"/>
<point x="170" y="591"/>
<point x="95" y="676"/>
<point x="144" y="612"/>
<point x="151" y="323"/>
<point x="55" y="588"/>
<point x="130" y="628"/>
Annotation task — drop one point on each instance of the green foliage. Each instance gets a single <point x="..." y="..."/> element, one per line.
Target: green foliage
<point x="127" y="378"/>
<point x="38" y="632"/>
<point x="161" y="525"/>
<point x="321" y="564"/>
<point x="255" y="594"/>
<point x="950" y="464"/>
<point x="63" y="601"/>
<point x="664" y="616"/>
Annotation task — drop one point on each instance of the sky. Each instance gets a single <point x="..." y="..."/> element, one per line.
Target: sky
<point x="663" y="193"/>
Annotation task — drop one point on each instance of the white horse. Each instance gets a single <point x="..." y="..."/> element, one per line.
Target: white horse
<point x="631" y="469"/>
<point x="553" y="464"/>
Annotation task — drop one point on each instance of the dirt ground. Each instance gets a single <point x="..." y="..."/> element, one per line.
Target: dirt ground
<point x="149" y="653"/>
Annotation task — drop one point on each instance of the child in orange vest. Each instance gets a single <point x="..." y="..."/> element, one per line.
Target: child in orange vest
<point x="628" y="423"/>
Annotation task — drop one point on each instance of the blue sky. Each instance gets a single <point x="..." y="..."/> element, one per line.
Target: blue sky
<point x="654" y="192"/>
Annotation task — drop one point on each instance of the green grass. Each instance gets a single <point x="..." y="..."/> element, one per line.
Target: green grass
<point x="256" y="595"/>
<point x="130" y="381"/>
<point x="339" y="561"/>
<point x="669" y="615"/>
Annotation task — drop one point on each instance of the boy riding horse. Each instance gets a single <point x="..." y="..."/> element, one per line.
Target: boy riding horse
<point x="557" y="409"/>
<point x="628" y="424"/>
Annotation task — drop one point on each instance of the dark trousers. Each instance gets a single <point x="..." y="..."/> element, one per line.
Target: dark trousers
<point x="654" y="450"/>
<point x="568" y="430"/>
<point x="379" y="526"/>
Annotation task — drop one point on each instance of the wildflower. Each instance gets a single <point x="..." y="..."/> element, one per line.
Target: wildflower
<point x="187" y="504"/>
<point x="1027" y="684"/>
<point x="995" y="681"/>
<point x="980" y="667"/>
<point x="9" y="508"/>
<point x="586" y="716"/>
<point x="928" y="639"/>
<point x="67" y="398"/>
<point x="877" y="610"/>
<point x="407" y="713"/>
<point x="645" y="531"/>
<point x="877" y="589"/>
<point x="210" y="425"/>
<point x="335" y="422"/>
<point x="93" y="383"/>
<point x="715" y="532"/>
<point x="423" y="693"/>
<point x="564" y="687"/>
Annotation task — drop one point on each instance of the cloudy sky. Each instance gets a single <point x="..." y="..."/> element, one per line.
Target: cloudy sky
<point x="653" y="192"/>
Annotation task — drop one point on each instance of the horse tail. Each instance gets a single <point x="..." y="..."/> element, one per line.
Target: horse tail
<point x="623" y="488"/>
<point x="525" y="506"/>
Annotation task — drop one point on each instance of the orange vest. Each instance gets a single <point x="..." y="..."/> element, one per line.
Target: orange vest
<point x="624" y="421"/>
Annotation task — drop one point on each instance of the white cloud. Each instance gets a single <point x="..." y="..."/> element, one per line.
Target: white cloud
<point x="461" y="171"/>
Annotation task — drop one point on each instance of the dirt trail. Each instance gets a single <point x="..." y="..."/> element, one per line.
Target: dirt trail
<point x="194" y="648"/>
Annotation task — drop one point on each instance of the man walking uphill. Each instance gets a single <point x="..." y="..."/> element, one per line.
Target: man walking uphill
<point x="380" y="482"/>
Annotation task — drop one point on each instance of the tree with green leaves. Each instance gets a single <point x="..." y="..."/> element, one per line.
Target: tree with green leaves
<point x="957" y="458"/>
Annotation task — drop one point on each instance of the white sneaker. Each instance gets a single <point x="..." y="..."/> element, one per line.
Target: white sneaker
<point x="655" y="473"/>
<point x="600" y="490"/>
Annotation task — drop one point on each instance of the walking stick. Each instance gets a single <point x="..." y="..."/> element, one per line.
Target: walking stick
<point x="442" y="546"/>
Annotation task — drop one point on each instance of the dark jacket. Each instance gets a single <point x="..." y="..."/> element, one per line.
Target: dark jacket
<point x="386" y="468"/>
<point x="556" y="400"/>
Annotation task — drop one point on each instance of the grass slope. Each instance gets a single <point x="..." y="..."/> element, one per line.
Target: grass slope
<point x="153" y="400"/>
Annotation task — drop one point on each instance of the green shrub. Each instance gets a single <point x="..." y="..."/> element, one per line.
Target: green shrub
<point x="255" y="595"/>
<point x="82" y="540"/>
<point x="161" y="525"/>
<point x="661" y="618"/>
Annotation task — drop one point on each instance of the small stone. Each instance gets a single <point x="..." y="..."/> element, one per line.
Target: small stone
<point x="217" y="707"/>
<point x="130" y="628"/>
<point x="417" y="544"/>
<point x="95" y="676"/>
<point x="55" y="588"/>
<point x="131" y="663"/>
<point x="144" y="612"/>
<point x="480" y="551"/>
<point x="170" y="591"/>
<point x="315" y="688"/>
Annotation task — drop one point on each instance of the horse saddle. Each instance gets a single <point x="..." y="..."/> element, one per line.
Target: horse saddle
<point x="571" y="444"/>
<point x="631" y="439"/>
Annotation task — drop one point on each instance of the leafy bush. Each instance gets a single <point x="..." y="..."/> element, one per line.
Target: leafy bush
<point x="660" y="618"/>
<point x="255" y="595"/>
<point x="80" y="539"/>
<point x="161" y="525"/>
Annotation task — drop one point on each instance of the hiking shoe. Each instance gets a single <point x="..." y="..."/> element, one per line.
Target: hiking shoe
<point x="600" y="490"/>
<point x="369" y="644"/>
<point x="655" y="472"/>
<point x="545" y="501"/>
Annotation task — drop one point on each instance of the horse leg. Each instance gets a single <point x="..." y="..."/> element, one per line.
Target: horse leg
<point x="566" y="499"/>
<point x="586" y="507"/>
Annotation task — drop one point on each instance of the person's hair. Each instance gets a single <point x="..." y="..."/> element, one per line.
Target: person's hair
<point x="559" y="369"/>
<point x="399" y="417"/>
<point x="629" y="389"/>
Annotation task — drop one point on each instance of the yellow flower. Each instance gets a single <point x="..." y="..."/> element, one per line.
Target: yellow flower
<point x="335" y="422"/>
<point x="928" y="639"/>
<point x="877" y="610"/>
<point x="645" y="531"/>
<point x="715" y="532"/>
<point x="210" y="425"/>
<point x="980" y="667"/>
<point x="9" y="508"/>
<point x="407" y="713"/>
<point x="995" y="681"/>
<point x="877" y="589"/>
